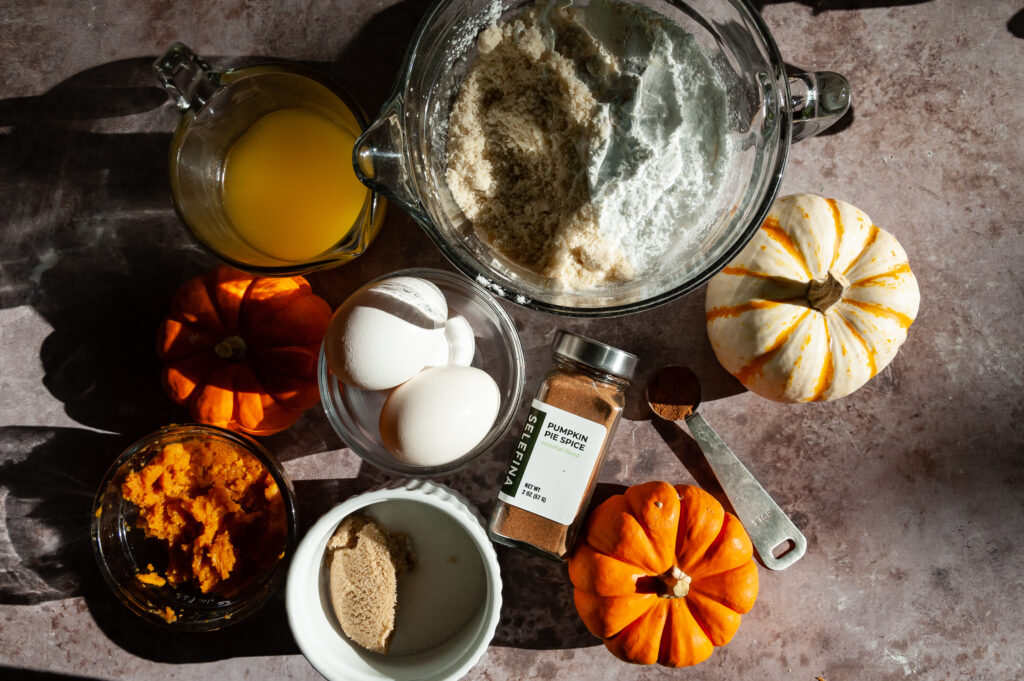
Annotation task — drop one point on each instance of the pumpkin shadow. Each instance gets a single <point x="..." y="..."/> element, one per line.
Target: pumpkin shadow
<point x="49" y="477"/>
<point x="675" y="334"/>
<point x="690" y="455"/>
<point x="538" y="611"/>
<point x="14" y="674"/>
<point x="537" y="608"/>
<point x="820" y="6"/>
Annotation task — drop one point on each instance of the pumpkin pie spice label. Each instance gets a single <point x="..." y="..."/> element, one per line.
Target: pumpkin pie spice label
<point x="552" y="463"/>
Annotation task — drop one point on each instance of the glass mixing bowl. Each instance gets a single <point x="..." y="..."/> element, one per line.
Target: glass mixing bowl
<point x="355" y="413"/>
<point x="403" y="153"/>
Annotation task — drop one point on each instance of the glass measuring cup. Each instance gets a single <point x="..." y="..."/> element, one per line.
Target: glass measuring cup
<point x="217" y="108"/>
<point x="403" y="153"/>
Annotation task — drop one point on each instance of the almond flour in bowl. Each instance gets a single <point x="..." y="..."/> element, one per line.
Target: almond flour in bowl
<point x="588" y="144"/>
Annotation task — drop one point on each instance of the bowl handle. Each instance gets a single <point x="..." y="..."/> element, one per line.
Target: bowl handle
<point x="380" y="159"/>
<point x="817" y="100"/>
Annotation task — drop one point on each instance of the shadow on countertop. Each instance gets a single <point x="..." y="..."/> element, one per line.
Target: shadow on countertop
<point x="50" y="476"/>
<point x="831" y="5"/>
<point x="14" y="674"/>
<point x="1016" y="24"/>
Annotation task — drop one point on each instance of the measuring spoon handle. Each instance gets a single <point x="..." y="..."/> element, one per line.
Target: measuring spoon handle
<point x="766" y="524"/>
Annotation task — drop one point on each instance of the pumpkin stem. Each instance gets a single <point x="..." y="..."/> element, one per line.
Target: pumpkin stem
<point x="676" y="583"/>
<point x="232" y="347"/>
<point x="823" y="293"/>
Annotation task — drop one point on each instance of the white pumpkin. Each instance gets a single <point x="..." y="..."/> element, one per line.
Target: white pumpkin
<point x="816" y="304"/>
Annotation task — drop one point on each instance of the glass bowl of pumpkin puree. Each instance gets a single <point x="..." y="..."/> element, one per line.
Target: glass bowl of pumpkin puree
<point x="193" y="527"/>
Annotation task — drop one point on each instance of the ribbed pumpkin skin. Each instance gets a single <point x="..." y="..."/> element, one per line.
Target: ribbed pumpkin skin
<point x="275" y="324"/>
<point x="762" y="326"/>
<point x="631" y="541"/>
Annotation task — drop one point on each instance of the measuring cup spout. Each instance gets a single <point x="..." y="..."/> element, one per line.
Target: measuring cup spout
<point x="381" y="161"/>
<point x="187" y="77"/>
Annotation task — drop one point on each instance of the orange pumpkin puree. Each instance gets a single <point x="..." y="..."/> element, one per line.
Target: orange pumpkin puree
<point x="217" y="509"/>
<point x="151" y="578"/>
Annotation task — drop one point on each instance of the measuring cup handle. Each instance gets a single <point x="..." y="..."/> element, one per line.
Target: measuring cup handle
<point x="380" y="159"/>
<point x="767" y="525"/>
<point x="817" y="100"/>
<point x="187" y="77"/>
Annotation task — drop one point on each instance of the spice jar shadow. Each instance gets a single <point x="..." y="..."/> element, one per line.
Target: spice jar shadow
<point x="690" y="455"/>
<point x="539" y="613"/>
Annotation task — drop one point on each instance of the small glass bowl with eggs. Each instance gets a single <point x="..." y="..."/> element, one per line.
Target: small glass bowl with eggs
<point x="421" y="371"/>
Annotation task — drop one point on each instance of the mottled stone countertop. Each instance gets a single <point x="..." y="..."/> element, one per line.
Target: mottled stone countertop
<point x="910" y="492"/>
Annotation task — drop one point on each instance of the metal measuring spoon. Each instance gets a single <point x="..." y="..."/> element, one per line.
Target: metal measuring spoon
<point x="673" y="393"/>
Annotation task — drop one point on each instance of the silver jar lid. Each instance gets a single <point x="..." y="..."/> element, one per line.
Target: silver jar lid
<point x="596" y="354"/>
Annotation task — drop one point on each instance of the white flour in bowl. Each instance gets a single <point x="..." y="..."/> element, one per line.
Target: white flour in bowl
<point x="587" y="142"/>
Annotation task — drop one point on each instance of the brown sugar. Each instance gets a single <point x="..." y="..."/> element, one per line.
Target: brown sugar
<point x="366" y="561"/>
<point x="215" y="507"/>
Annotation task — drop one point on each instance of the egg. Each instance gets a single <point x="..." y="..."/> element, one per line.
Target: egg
<point x="439" y="415"/>
<point x="386" y="332"/>
<point x="460" y="339"/>
<point x="459" y="345"/>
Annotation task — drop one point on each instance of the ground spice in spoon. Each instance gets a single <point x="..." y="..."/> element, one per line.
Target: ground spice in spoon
<point x="673" y="393"/>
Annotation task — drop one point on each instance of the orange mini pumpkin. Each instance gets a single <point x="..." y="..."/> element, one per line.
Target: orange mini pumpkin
<point x="241" y="351"/>
<point x="662" y="574"/>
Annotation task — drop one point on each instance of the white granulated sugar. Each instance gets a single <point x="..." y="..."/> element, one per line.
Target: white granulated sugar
<point x="465" y="32"/>
<point x="663" y="164"/>
<point x="588" y="142"/>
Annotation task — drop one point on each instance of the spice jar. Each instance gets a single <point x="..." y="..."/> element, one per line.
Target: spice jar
<point x="558" y="457"/>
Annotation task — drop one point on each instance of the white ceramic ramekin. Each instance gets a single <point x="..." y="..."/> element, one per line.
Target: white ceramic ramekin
<point x="308" y="601"/>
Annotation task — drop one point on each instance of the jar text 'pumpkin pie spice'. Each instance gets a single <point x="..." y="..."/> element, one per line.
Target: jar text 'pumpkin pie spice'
<point x="564" y="441"/>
